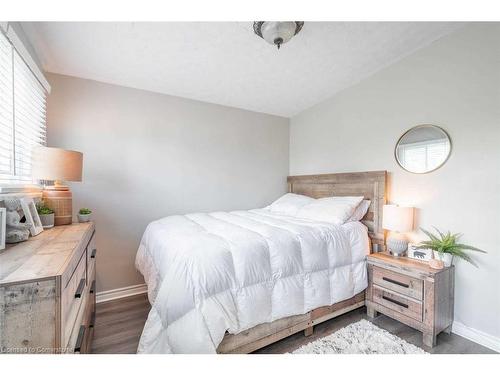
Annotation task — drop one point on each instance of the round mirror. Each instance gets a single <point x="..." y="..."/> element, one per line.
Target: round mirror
<point x="423" y="149"/>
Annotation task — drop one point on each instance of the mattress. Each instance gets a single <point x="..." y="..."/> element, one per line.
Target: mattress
<point x="209" y="273"/>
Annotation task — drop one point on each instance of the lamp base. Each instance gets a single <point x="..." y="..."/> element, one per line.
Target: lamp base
<point x="397" y="245"/>
<point x="394" y="254"/>
<point x="61" y="201"/>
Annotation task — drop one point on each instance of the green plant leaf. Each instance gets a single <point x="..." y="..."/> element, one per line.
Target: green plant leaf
<point x="429" y="234"/>
<point x="467" y="247"/>
<point x="448" y="243"/>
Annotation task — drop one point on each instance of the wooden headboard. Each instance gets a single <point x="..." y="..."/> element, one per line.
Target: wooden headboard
<point x="371" y="185"/>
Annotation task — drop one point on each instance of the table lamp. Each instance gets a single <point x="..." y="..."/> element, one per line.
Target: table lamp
<point x="58" y="165"/>
<point x="398" y="220"/>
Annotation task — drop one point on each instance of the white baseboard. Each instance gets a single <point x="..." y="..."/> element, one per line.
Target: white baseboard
<point x="109" y="295"/>
<point x="477" y="336"/>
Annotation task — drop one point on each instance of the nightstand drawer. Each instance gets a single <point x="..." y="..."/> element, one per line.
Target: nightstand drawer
<point x="402" y="284"/>
<point x="397" y="302"/>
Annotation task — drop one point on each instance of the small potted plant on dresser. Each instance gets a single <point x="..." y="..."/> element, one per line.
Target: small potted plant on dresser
<point x="84" y="215"/>
<point x="445" y="247"/>
<point x="46" y="215"/>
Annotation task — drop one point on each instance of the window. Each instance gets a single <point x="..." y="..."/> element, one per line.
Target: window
<point x="22" y="115"/>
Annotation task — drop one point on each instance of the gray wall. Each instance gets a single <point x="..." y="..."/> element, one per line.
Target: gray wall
<point x="454" y="83"/>
<point x="148" y="155"/>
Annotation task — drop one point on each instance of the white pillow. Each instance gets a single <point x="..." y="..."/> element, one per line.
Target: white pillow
<point x="289" y="204"/>
<point x="335" y="210"/>
<point x="360" y="211"/>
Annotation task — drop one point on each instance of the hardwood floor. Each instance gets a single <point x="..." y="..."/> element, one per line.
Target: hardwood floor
<point x="119" y="325"/>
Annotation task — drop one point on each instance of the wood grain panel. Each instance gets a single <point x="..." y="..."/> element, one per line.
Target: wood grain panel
<point x="248" y="341"/>
<point x="27" y="317"/>
<point x="70" y="305"/>
<point x="395" y="301"/>
<point x="403" y="284"/>
<point x="267" y="333"/>
<point x="320" y="312"/>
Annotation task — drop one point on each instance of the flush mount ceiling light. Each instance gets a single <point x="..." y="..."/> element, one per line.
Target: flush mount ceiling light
<point x="277" y="33"/>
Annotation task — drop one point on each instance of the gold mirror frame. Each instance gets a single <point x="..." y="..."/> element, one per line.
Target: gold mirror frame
<point x="419" y="127"/>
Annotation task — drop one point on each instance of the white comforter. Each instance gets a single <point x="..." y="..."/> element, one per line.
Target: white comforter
<point x="230" y="271"/>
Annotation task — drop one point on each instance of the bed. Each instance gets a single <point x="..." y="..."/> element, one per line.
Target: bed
<point x="233" y="282"/>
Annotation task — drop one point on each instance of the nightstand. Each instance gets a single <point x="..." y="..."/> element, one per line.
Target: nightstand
<point x="411" y="292"/>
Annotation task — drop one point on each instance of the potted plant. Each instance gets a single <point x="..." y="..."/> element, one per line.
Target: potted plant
<point x="84" y="215"/>
<point x="446" y="247"/>
<point x="46" y="215"/>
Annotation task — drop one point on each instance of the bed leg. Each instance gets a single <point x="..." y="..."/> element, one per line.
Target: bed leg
<point x="370" y="311"/>
<point x="309" y="331"/>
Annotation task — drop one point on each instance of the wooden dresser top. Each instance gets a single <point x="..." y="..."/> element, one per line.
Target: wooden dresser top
<point x="44" y="256"/>
<point x="403" y="262"/>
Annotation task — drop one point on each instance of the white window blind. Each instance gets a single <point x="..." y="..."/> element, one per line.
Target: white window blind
<point x="22" y="117"/>
<point x="423" y="156"/>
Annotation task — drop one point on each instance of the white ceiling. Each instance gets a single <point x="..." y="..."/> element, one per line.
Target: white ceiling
<point x="225" y="63"/>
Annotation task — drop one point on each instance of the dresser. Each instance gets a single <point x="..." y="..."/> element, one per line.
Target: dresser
<point x="47" y="292"/>
<point x="411" y="292"/>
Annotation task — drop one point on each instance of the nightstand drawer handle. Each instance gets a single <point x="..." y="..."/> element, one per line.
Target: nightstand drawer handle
<point x="396" y="302"/>
<point x="395" y="282"/>
<point x="92" y="254"/>
<point x="92" y="287"/>
<point x="79" y="339"/>
<point x="79" y="290"/>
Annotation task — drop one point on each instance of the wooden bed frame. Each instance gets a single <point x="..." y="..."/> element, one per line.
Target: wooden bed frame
<point x="371" y="185"/>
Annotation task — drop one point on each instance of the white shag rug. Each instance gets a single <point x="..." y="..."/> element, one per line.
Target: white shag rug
<point x="361" y="337"/>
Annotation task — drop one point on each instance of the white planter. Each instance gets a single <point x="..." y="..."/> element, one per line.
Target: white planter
<point x="445" y="257"/>
<point x="47" y="221"/>
<point x="84" y="218"/>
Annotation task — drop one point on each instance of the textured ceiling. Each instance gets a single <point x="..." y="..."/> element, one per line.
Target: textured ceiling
<point x="225" y="63"/>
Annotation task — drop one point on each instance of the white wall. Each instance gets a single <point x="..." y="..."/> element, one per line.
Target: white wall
<point x="454" y="83"/>
<point x="149" y="155"/>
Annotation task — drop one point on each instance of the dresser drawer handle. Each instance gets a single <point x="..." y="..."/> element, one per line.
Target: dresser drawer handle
<point x="395" y="302"/>
<point x="92" y="254"/>
<point x="79" y="290"/>
<point x="92" y="287"/>
<point x="79" y="339"/>
<point x="395" y="282"/>
<point x="92" y="320"/>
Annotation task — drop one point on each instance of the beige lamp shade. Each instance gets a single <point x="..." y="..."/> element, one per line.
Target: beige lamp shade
<point x="50" y="163"/>
<point x="397" y="219"/>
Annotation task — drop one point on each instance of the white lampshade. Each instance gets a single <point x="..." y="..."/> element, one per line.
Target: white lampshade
<point x="397" y="219"/>
<point x="50" y="163"/>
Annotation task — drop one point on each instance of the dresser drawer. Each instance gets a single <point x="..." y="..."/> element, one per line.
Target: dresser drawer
<point x="400" y="283"/>
<point x="80" y="339"/>
<point x="73" y="263"/>
<point x="83" y="342"/>
<point x="397" y="302"/>
<point x="91" y="258"/>
<point x="79" y="333"/>
<point x="72" y="298"/>
<point x="91" y="250"/>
